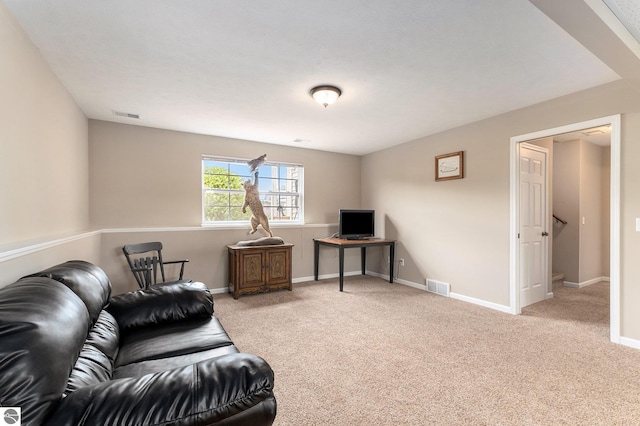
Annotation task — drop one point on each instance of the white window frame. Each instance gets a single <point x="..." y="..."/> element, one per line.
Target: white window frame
<point x="246" y="175"/>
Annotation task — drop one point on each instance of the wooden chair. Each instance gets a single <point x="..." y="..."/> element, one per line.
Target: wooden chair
<point x="145" y="268"/>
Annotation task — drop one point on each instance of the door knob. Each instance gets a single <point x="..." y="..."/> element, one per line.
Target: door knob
<point x="545" y="234"/>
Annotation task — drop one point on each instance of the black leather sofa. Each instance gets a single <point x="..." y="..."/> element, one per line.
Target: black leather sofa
<point x="70" y="355"/>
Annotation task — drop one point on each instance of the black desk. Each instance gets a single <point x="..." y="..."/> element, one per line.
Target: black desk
<point x="343" y="244"/>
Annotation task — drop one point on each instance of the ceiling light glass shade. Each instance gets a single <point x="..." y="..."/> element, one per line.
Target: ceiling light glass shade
<point x="325" y="95"/>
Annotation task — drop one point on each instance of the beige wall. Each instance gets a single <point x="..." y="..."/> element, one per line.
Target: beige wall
<point x="630" y="239"/>
<point x="566" y="205"/>
<point x="458" y="231"/>
<point x="145" y="177"/>
<point x="581" y="250"/>
<point x="591" y="200"/>
<point x="453" y="231"/>
<point x="207" y="254"/>
<point x="17" y="263"/>
<point x="43" y="148"/>
<point x="150" y="178"/>
<point x="44" y="178"/>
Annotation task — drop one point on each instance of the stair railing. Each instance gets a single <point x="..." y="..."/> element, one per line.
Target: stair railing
<point x="558" y="220"/>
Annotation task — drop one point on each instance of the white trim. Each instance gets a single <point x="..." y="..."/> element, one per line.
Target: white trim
<point x="358" y="272"/>
<point x="212" y="227"/>
<point x="615" y="122"/>
<point x="585" y="283"/>
<point x="407" y="283"/>
<point x="514" y="296"/>
<point x="632" y="343"/>
<point x="398" y="280"/>
<point x="159" y="229"/>
<point x="463" y="298"/>
<point x="480" y="302"/>
<point x="33" y="248"/>
<point x="614" y="200"/>
<point x="611" y="15"/>
<point x="325" y="276"/>
<point x="247" y="223"/>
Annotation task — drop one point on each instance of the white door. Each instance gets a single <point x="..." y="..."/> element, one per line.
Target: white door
<point x="533" y="222"/>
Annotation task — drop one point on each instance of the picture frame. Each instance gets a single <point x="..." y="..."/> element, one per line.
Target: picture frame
<point x="450" y="166"/>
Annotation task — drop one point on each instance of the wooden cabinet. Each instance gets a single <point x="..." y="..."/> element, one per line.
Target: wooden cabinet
<point x="257" y="269"/>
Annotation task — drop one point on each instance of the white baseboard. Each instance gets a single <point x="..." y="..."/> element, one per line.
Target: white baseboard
<point x="398" y="280"/>
<point x="632" y="343"/>
<point x="323" y="277"/>
<point x="585" y="283"/>
<point x="353" y="273"/>
<point x="461" y="297"/>
<point x="294" y="280"/>
<point x="490" y="305"/>
<point x="409" y="283"/>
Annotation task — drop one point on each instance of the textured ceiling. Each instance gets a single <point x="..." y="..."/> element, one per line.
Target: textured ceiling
<point x="628" y="12"/>
<point x="243" y="69"/>
<point x="597" y="135"/>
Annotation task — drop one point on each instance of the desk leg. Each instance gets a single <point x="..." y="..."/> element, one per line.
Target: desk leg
<point x="391" y="261"/>
<point x="363" y="258"/>
<point x="341" y="260"/>
<point x="316" y="258"/>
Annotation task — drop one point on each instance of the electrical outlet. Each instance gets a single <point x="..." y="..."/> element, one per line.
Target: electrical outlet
<point x="401" y="262"/>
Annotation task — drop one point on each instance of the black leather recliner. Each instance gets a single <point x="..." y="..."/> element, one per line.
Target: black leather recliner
<point x="70" y="355"/>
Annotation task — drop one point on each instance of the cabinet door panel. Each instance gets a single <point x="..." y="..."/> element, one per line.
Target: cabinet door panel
<point x="252" y="270"/>
<point x="278" y="266"/>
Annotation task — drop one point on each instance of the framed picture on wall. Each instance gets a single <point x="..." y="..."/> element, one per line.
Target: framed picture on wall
<point x="450" y="166"/>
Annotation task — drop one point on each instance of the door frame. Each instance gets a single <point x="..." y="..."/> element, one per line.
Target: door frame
<point x="615" y="122"/>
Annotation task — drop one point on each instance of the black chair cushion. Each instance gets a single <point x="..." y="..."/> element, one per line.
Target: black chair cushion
<point x="172" y="339"/>
<point x="43" y="327"/>
<point x="161" y="304"/>
<point x="96" y="360"/>
<point x="87" y="280"/>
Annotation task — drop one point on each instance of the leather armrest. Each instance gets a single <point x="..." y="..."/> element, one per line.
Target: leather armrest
<point x="235" y="389"/>
<point x="160" y="304"/>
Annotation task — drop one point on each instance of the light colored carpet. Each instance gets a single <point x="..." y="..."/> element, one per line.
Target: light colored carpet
<point x="388" y="354"/>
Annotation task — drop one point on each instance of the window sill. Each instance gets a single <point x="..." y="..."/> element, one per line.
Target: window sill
<point x="240" y="225"/>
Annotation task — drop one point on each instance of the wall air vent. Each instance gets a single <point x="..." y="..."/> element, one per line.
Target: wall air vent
<point x="125" y="114"/>
<point x="438" y="287"/>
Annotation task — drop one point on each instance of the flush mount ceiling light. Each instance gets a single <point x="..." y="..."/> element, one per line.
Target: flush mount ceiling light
<point x="325" y="95"/>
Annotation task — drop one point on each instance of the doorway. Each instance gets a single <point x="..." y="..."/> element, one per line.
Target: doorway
<point x="614" y="253"/>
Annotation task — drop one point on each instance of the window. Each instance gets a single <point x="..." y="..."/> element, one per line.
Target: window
<point x="280" y="186"/>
